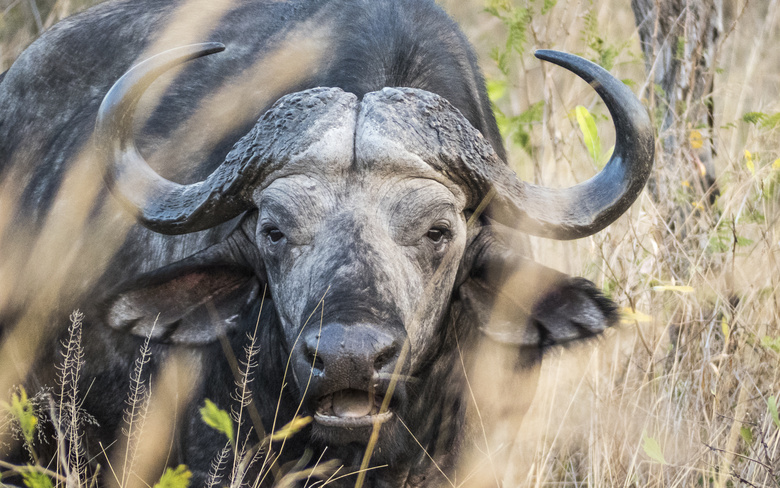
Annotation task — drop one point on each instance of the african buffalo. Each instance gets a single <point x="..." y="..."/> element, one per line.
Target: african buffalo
<point x="365" y="221"/>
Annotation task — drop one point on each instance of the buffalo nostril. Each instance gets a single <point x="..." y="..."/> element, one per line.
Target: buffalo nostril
<point x="384" y="358"/>
<point x="315" y="360"/>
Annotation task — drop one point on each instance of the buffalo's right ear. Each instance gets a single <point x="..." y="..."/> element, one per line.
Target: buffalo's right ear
<point x="516" y="301"/>
<point x="192" y="301"/>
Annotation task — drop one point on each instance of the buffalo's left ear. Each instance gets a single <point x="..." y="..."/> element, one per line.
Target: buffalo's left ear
<point x="192" y="301"/>
<point x="517" y="301"/>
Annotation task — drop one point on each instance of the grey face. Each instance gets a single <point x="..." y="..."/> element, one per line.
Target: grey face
<point x="360" y="251"/>
<point x="391" y="247"/>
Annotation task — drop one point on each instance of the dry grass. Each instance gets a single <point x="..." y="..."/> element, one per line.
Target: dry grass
<point x="679" y="395"/>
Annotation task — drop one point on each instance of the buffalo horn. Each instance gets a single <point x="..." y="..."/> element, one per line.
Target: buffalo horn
<point x="588" y="207"/>
<point x="159" y="204"/>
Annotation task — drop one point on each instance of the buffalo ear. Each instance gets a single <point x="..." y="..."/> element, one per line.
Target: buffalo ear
<point x="517" y="301"/>
<point x="192" y="301"/>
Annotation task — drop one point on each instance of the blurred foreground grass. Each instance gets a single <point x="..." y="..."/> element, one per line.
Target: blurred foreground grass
<point x="684" y="392"/>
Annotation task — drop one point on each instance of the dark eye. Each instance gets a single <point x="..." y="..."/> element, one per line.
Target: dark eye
<point x="274" y="235"/>
<point x="436" y="234"/>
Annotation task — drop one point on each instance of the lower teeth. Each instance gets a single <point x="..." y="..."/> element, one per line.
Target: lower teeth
<point x="350" y="404"/>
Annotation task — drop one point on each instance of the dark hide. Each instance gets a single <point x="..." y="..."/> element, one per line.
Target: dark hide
<point x="204" y="291"/>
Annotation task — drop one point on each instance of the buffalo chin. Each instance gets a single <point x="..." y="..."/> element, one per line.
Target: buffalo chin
<point x="339" y="432"/>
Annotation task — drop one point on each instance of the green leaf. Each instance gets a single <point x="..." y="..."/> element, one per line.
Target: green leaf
<point x="754" y="117"/>
<point x="21" y="409"/>
<point x="652" y="449"/>
<point x="496" y="89"/>
<point x="502" y="121"/>
<point x="502" y="60"/>
<point x="496" y="7"/>
<point x="36" y="479"/>
<point x="517" y="23"/>
<point x="680" y="54"/>
<point x="493" y="11"/>
<point x="771" y="121"/>
<point x="548" y="5"/>
<point x="754" y="216"/>
<point x="747" y="434"/>
<point x="605" y="53"/>
<point x="517" y="128"/>
<point x="522" y="138"/>
<point x="589" y="132"/>
<point x="607" y="57"/>
<point x="591" y="28"/>
<point x="178" y="477"/>
<point x="770" y="342"/>
<point x="718" y="243"/>
<point x="532" y="114"/>
<point x="772" y="406"/>
<point x="744" y="241"/>
<point x="724" y="326"/>
<point x="217" y="419"/>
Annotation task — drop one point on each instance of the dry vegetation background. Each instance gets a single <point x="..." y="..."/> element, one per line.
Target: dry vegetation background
<point x="684" y="392"/>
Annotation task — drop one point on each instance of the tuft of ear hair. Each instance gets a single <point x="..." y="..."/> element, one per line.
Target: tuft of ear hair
<point x="573" y="310"/>
<point x="570" y="310"/>
<point x="183" y="304"/>
<point x="190" y="302"/>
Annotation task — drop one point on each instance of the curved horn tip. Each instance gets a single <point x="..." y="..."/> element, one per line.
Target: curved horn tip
<point x="126" y="171"/>
<point x="182" y="54"/>
<point x="612" y="191"/>
<point x="540" y="53"/>
<point x="549" y="54"/>
<point x="563" y="59"/>
<point x="188" y="52"/>
<point x="211" y="47"/>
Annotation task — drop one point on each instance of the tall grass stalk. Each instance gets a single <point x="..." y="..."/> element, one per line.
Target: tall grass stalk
<point x="681" y="393"/>
<point x="67" y="415"/>
<point x="136" y="408"/>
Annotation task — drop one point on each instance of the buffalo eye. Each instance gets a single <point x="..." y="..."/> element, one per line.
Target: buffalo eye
<point x="274" y="235"/>
<point x="437" y="234"/>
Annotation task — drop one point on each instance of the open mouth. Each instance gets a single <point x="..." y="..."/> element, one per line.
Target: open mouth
<point x="350" y="408"/>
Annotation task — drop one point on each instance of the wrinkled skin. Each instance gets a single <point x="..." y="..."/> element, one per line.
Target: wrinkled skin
<point x="382" y="248"/>
<point x="360" y="244"/>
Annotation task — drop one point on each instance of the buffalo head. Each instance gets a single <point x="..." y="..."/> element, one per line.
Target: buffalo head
<point x="365" y="220"/>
